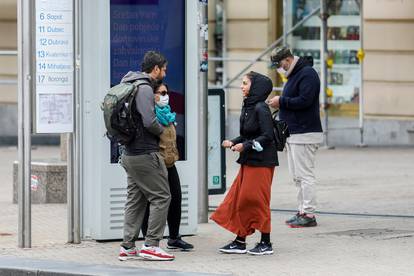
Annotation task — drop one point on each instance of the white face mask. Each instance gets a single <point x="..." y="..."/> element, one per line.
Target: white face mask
<point x="164" y="100"/>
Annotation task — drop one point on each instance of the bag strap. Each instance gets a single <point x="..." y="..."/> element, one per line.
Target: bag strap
<point x="136" y="85"/>
<point x="140" y="81"/>
<point x="275" y="113"/>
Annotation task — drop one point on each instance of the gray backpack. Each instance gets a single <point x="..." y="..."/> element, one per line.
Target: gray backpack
<point x="122" y="121"/>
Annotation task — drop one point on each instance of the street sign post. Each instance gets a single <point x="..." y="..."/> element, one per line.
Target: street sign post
<point x="25" y="87"/>
<point x="45" y="78"/>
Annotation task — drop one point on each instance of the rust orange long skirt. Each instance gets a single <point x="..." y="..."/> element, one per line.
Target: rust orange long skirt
<point x="246" y="207"/>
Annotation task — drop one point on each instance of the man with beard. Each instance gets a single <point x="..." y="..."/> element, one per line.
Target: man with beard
<point x="145" y="168"/>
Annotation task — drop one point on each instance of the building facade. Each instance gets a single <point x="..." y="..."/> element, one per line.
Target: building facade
<point x="240" y="30"/>
<point x="8" y="71"/>
<point x="383" y="29"/>
<point x="388" y="80"/>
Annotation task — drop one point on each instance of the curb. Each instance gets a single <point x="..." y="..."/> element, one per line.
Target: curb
<point x="14" y="266"/>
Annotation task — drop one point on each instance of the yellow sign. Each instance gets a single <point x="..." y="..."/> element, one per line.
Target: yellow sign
<point x="329" y="92"/>
<point x="329" y="63"/>
<point x="360" y="55"/>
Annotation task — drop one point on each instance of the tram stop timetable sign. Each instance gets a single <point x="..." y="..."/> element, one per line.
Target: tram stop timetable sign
<point x="54" y="66"/>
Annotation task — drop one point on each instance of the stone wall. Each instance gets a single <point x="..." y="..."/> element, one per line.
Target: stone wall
<point x="48" y="183"/>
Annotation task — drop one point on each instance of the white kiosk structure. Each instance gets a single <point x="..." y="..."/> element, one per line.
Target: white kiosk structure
<point x="103" y="184"/>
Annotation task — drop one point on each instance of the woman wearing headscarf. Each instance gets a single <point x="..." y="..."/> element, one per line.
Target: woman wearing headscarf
<point x="246" y="207"/>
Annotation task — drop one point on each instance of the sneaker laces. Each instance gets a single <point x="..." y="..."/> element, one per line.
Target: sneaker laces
<point x="231" y="242"/>
<point x="123" y="249"/>
<point x="263" y="243"/>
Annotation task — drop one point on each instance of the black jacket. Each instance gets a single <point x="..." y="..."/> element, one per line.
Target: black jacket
<point x="299" y="103"/>
<point x="256" y="124"/>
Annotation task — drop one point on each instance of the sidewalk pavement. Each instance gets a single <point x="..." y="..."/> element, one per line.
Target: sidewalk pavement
<point x="24" y="267"/>
<point x="376" y="185"/>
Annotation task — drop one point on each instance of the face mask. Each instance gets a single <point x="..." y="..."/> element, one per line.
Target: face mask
<point x="163" y="100"/>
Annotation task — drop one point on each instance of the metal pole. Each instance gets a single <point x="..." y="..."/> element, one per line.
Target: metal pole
<point x="20" y="107"/>
<point x="271" y="47"/>
<point x="69" y="185"/>
<point x="224" y="54"/>
<point x="285" y="23"/>
<point x="202" y="83"/>
<point x="8" y="53"/>
<point x="8" y="82"/>
<point x="25" y="77"/>
<point x="77" y="127"/>
<point x="324" y="68"/>
<point x="361" y="87"/>
<point x="233" y="59"/>
<point x="69" y="175"/>
<point x="73" y="191"/>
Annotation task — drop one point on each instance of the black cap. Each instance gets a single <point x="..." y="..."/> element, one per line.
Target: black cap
<point x="279" y="54"/>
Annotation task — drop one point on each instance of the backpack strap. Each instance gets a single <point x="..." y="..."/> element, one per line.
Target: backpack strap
<point x="137" y="84"/>
<point x="140" y="82"/>
<point x="135" y="116"/>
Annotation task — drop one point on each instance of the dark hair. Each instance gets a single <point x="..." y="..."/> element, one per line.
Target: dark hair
<point x="152" y="59"/>
<point x="158" y="84"/>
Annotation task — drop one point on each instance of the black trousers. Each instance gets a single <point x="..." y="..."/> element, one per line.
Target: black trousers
<point x="174" y="211"/>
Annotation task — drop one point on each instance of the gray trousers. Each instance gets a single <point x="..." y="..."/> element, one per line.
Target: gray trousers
<point x="147" y="182"/>
<point x="301" y="162"/>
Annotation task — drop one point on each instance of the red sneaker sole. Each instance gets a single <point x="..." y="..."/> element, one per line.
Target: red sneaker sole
<point x="151" y="257"/>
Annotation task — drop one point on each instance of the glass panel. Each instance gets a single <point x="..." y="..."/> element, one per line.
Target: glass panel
<point x="138" y="26"/>
<point x="344" y="78"/>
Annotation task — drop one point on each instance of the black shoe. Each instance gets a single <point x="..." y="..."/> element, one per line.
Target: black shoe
<point x="303" y="221"/>
<point x="292" y="219"/>
<point x="234" y="248"/>
<point x="261" y="248"/>
<point x="178" y="243"/>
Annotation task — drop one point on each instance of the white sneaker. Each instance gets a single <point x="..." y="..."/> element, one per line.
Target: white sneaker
<point x="126" y="254"/>
<point x="155" y="253"/>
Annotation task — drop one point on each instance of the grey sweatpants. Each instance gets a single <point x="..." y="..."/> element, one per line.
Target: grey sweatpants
<point x="147" y="182"/>
<point x="301" y="162"/>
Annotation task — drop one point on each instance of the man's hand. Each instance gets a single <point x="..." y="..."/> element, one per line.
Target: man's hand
<point x="238" y="147"/>
<point x="227" y="144"/>
<point x="274" y="102"/>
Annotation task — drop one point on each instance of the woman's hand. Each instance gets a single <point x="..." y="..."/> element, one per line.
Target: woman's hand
<point x="227" y="144"/>
<point x="238" y="147"/>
